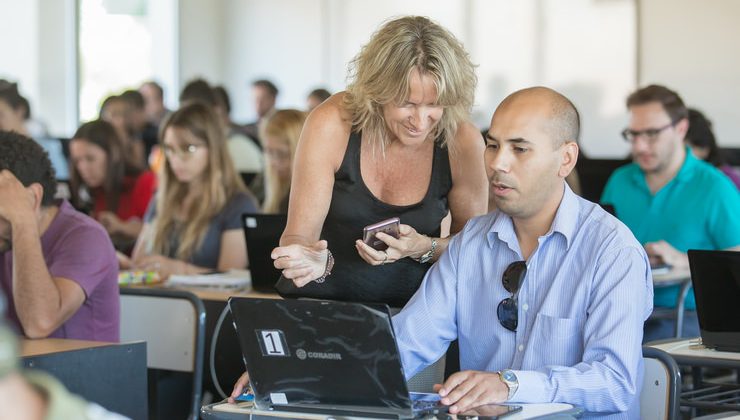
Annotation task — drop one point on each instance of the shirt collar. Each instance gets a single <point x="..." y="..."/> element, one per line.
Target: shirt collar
<point x="565" y="221"/>
<point x="685" y="173"/>
<point x="688" y="166"/>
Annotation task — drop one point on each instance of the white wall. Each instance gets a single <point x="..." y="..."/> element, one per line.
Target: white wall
<point x="201" y="40"/>
<point x="19" y="29"/>
<point x="280" y="40"/>
<point x="692" y="47"/>
<point x="585" y="49"/>
<point x="36" y="54"/>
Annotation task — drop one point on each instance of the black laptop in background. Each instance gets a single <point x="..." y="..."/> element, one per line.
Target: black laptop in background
<point x="716" y="279"/>
<point x="262" y="232"/>
<point x="326" y="357"/>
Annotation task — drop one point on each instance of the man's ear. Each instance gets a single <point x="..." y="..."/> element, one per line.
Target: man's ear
<point x="37" y="194"/>
<point x="682" y="126"/>
<point x="569" y="158"/>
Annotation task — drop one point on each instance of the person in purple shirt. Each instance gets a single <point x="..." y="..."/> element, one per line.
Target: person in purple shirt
<point x="58" y="267"/>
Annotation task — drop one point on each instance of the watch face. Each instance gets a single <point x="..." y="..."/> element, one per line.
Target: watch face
<point x="509" y="376"/>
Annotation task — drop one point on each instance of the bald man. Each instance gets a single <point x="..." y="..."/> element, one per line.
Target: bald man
<point x="548" y="294"/>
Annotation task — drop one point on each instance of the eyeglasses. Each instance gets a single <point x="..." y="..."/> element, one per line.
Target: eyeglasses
<point x="183" y="153"/>
<point x="651" y="134"/>
<point x="508" y="309"/>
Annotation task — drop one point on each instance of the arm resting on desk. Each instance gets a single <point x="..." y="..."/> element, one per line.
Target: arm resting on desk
<point x="608" y="376"/>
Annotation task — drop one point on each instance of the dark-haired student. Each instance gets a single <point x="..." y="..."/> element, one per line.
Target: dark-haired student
<point x="669" y="199"/>
<point x="57" y="266"/>
<point x="700" y="138"/>
<point x="119" y="192"/>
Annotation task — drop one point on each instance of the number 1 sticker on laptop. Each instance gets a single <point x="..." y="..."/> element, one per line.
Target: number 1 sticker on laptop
<point x="273" y="343"/>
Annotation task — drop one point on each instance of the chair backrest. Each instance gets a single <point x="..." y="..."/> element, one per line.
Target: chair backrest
<point x="661" y="385"/>
<point x="172" y="322"/>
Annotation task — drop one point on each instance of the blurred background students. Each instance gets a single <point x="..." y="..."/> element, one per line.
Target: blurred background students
<point x="245" y="154"/>
<point x="670" y="200"/>
<point x="264" y="97"/>
<point x="194" y="224"/>
<point x="316" y="97"/>
<point x="153" y="102"/>
<point x="14" y="113"/>
<point x="137" y="122"/>
<point x="280" y="133"/>
<point x="115" y="110"/>
<point x="700" y="138"/>
<point x="115" y="192"/>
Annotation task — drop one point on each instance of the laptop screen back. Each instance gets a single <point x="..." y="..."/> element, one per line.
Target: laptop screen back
<point x="262" y="233"/>
<point x="302" y="352"/>
<point x="716" y="279"/>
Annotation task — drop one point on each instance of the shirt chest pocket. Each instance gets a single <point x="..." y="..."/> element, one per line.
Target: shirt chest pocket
<point x="555" y="341"/>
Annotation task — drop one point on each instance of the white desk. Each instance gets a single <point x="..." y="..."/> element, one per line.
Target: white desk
<point x="690" y="352"/>
<point x="671" y="278"/>
<point x="226" y="411"/>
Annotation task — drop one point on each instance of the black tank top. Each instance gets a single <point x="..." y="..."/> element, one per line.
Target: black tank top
<point x="352" y="208"/>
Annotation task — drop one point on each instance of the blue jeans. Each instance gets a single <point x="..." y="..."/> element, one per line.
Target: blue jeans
<point x="660" y="329"/>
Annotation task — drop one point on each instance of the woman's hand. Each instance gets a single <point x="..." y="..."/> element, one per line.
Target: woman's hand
<point x="124" y="262"/>
<point x="239" y="387"/>
<point x="162" y="265"/>
<point x="300" y="263"/>
<point x="110" y="222"/>
<point x="410" y="243"/>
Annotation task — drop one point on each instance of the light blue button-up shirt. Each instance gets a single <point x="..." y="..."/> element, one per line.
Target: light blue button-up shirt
<point x="582" y="305"/>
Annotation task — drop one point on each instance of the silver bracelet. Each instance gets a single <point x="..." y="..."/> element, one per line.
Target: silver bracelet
<point x="329" y="267"/>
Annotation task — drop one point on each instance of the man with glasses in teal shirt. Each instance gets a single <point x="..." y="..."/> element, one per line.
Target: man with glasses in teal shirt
<point x="671" y="200"/>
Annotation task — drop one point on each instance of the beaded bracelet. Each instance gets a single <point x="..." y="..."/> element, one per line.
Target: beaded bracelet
<point x="329" y="266"/>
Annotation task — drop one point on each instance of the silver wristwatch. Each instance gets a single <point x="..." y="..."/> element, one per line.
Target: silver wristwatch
<point x="509" y="378"/>
<point x="427" y="256"/>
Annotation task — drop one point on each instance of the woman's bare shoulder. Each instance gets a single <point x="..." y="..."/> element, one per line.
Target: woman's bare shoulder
<point x="327" y="130"/>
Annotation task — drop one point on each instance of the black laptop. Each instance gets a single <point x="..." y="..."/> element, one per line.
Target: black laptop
<point x="335" y="358"/>
<point x="262" y="232"/>
<point x="716" y="279"/>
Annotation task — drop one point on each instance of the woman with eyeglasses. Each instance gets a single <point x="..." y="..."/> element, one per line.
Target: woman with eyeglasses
<point x="103" y="181"/>
<point x="194" y="224"/>
<point x="279" y="134"/>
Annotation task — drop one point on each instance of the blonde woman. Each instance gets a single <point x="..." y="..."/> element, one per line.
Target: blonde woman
<point x="397" y="143"/>
<point x="279" y="134"/>
<point x="194" y="223"/>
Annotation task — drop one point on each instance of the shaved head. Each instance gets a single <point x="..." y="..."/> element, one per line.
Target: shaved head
<point x="561" y="120"/>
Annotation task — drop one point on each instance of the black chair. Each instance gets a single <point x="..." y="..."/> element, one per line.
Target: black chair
<point x="593" y="174"/>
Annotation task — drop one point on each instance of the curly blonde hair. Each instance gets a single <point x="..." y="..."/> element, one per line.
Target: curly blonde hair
<point x="380" y="73"/>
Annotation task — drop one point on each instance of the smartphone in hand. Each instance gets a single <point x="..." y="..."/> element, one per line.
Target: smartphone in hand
<point x="388" y="226"/>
